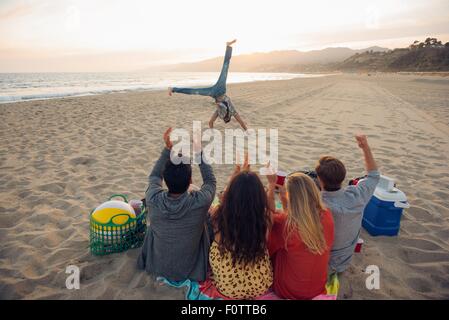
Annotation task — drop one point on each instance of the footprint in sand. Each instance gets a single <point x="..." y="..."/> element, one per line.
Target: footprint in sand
<point x="419" y="284"/>
<point x="54" y="238"/>
<point x="95" y="269"/>
<point x="25" y="193"/>
<point x="443" y="235"/>
<point x="412" y="227"/>
<point x="85" y="161"/>
<point x="415" y="255"/>
<point x="8" y="220"/>
<point x="435" y="157"/>
<point x="92" y="178"/>
<point x="419" y="213"/>
<point x="56" y="188"/>
<point x="442" y="281"/>
<point x="421" y="244"/>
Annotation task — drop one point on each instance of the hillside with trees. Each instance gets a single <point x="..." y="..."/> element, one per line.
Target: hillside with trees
<point x="429" y="55"/>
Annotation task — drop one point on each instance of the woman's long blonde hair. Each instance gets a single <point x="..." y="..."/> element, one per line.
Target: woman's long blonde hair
<point x="304" y="212"/>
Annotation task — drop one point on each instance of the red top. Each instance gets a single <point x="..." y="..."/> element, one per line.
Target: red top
<point x="298" y="273"/>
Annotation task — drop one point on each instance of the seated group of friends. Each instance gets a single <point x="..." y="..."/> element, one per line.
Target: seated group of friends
<point x="244" y="244"/>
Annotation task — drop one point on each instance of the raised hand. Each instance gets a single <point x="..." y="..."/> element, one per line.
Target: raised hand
<point x="370" y="163"/>
<point x="362" y="141"/>
<point x="246" y="165"/>
<point x="230" y="43"/>
<point x="238" y="167"/>
<point x="271" y="175"/>
<point x="168" y="143"/>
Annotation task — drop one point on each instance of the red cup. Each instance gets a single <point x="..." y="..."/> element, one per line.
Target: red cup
<point x="358" y="246"/>
<point x="280" y="177"/>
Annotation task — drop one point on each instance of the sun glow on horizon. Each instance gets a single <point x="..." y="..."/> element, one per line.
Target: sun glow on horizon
<point x="180" y="30"/>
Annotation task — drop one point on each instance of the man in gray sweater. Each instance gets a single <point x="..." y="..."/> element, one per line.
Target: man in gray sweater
<point x="346" y="204"/>
<point x="176" y="245"/>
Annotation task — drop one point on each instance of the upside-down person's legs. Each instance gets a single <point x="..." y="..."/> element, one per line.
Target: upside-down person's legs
<point x="209" y="92"/>
<point x="240" y="121"/>
<point x="220" y="86"/>
<point x="216" y="90"/>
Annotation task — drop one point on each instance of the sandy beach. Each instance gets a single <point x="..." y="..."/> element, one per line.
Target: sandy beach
<point x="61" y="158"/>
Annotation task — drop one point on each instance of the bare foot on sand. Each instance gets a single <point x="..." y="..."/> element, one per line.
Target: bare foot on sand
<point x="170" y="91"/>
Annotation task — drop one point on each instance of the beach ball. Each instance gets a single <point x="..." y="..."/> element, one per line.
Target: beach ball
<point x="117" y="212"/>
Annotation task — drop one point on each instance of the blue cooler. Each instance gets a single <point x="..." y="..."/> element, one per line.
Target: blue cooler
<point x="382" y="215"/>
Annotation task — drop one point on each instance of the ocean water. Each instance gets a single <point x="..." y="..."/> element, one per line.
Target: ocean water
<point x="36" y="86"/>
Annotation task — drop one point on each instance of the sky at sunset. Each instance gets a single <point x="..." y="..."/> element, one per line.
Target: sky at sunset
<point x="116" y="35"/>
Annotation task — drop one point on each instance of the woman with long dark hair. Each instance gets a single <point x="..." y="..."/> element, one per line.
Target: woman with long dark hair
<point x="239" y="259"/>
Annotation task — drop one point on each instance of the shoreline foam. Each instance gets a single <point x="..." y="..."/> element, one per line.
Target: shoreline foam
<point x="57" y="87"/>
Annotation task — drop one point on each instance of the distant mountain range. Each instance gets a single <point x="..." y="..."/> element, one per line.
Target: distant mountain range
<point x="429" y="55"/>
<point x="275" y="61"/>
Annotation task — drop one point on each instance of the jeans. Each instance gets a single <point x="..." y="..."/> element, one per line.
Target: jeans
<point x="219" y="88"/>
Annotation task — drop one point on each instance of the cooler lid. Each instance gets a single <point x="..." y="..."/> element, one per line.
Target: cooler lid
<point x="390" y="195"/>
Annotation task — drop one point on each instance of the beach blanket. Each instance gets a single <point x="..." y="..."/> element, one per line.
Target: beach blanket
<point x="206" y="290"/>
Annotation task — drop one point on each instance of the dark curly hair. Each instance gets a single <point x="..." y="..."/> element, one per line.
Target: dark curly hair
<point x="243" y="219"/>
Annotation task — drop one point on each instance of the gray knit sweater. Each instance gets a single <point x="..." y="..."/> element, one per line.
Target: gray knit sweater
<point x="176" y="244"/>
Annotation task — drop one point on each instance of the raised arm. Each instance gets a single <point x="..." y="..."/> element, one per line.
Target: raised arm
<point x="212" y="119"/>
<point x="207" y="192"/>
<point x="271" y="198"/>
<point x="155" y="179"/>
<point x="365" y="188"/>
<point x="237" y="169"/>
<point x="370" y="164"/>
<point x="271" y="178"/>
<point x="284" y="200"/>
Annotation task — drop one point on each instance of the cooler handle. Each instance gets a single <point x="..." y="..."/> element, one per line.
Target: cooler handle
<point x="117" y="195"/>
<point x="402" y="205"/>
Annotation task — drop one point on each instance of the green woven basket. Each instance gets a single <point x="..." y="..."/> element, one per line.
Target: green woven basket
<point x="111" y="238"/>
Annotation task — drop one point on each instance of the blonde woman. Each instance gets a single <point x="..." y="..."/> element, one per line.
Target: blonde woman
<point x="300" y="240"/>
